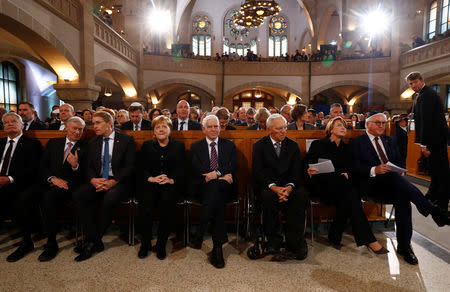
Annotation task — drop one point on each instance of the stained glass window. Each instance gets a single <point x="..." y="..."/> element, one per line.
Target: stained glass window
<point x="9" y="86"/>
<point x="278" y="40"/>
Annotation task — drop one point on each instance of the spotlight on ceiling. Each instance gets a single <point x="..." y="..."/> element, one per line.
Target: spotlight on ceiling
<point x="160" y="21"/>
<point x="376" y="22"/>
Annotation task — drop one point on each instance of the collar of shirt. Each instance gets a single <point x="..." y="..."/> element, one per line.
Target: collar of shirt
<point x="138" y="124"/>
<point x="209" y="141"/>
<point x="111" y="136"/>
<point x="371" y="137"/>
<point x="273" y="141"/>
<point x="15" y="139"/>
<point x="185" y="121"/>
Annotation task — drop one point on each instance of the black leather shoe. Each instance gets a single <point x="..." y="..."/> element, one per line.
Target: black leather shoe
<point x="143" y="251"/>
<point x="23" y="249"/>
<point x="161" y="251"/>
<point x="98" y="247"/>
<point x="440" y="217"/>
<point x="88" y="251"/>
<point x="217" y="259"/>
<point x="49" y="253"/>
<point x="196" y="241"/>
<point x="408" y="254"/>
<point x="334" y="240"/>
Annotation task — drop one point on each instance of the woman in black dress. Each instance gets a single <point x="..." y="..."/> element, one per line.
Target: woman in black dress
<point x="163" y="162"/>
<point x="336" y="189"/>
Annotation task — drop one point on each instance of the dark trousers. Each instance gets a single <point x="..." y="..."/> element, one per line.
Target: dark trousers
<point x="334" y="189"/>
<point x="88" y="199"/>
<point x="51" y="197"/>
<point x="162" y="197"/>
<point x="214" y="195"/>
<point x="393" y="187"/>
<point x="20" y="204"/>
<point x="440" y="187"/>
<point x="295" y="212"/>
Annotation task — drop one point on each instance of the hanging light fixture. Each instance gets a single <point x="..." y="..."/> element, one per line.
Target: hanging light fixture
<point x="108" y="92"/>
<point x="247" y="21"/>
<point x="260" y="9"/>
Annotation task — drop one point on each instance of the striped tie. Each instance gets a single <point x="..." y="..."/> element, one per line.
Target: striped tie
<point x="213" y="159"/>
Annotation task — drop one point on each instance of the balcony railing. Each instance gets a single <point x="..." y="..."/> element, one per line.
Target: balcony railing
<point x="426" y="53"/>
<point x="68" y="10"/>
<point x="112" y="40"/>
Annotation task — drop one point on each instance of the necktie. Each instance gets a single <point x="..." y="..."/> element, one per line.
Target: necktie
<point x="380" y="151"/>
<point x="181" y="125"/>
<point x="25" y="126"/>
<point x="7" y="158"/>
<point x="105" y="171"/>
<point x="213" y="159"/>
<point x="277" y="148"/>
<point x="66" y="153"/>
<point x="136" y="127"/>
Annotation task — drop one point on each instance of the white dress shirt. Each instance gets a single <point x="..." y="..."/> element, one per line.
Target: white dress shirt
<point x="139" y="125"/>
<point x="16" y="140"/>
<point x="185" y="125"/>
<point x="111" y="146"/>
<point x="62" y="127"/>
<point x="372" y="140"/>
<point x="216" y="146"/>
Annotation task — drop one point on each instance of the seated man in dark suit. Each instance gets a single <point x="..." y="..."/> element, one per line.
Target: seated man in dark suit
<point x="261" y="117"/>
<point x="241" y="119"/>
<point x="214" y="163"/>
<point x="109" y="168"/>
<point x="276" y="174"/>
<point x="18" y="168"/>
<point x="29" y="120"/>
<point x="136" y="122"/>
<point x="61" y="171"/>
<point x="372" y="151"/>
<point x="66" y="111"/>
<point x="224" y="119"/>
<point x="182" y="122"/>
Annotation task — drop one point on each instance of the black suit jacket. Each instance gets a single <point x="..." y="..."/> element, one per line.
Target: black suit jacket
<point x="192" y="125"/>
<point x="201" y="164"/>
<point x="37" y="125"/>
<point x="52" y="161"/>
<point x="401" y="138"/>
<point x="361" y="125"/>
<point x="229" y="127"/>
<point x="122" y="160"/>
<point x="55" y="125"/>
<point x="129" y="126"/>
<point x="431" y="127"/>
<point x="173" y="164"/>
<point x="253" y="127"/>
<point x="24" y="163"/>
<point x="365" y="157"/>
<point x="268" y="168"/>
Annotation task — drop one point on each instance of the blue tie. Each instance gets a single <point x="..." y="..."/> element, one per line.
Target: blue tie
<point x="105" y="172"/>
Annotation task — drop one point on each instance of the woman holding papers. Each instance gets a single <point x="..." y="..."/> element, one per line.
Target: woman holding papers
<point x="331" y="182"/>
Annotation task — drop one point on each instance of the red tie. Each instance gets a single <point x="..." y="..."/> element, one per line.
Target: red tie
<point x="381" y="152"/>
<point x="7" y="158"/>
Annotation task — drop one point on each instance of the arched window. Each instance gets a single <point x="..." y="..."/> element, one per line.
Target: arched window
<point x="445" y="16"/>
<point x="9" y="86"/>
<point x="201" y="38"/>
<point x="278" y="40"/>
<point x="238" y="39"/>
<point x="432" y="20"/>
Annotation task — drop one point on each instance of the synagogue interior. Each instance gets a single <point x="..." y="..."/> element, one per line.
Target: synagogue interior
<point x="183" y="95"/>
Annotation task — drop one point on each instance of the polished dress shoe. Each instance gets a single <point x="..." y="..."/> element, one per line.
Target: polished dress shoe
<point x="217" y="259"/>
<point x="336" y="242"/>
<point x="49" y="253"/>
<point x="440" y="217"/>
<point x="161" y="251"/>
<point x="408" y="254"/>
<point x="98" y="247"/>
<point x="88" y="251"/>
<point x="143" y="251"/>
<point x="24" y="248"/>
<point x="382" y="250"/>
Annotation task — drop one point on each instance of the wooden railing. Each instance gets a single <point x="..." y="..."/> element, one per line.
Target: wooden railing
<point x="426" y="53"/>
<point x="69" y="10"/>
<point x="108" y="37"/>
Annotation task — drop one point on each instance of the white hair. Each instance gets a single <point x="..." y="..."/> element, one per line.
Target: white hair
<point x="373" y="116"/>
<point x="19" y="118"/>
<point x="269" y="122"/>
<point x="210" y="116"/>
<point x="76" y="120"/>
<point x="70" y="106"/>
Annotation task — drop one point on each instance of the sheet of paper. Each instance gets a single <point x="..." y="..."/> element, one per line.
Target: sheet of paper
<point x="324" y="166"/>
<point x="308" y="144"/>
<point x="395" y="168"/>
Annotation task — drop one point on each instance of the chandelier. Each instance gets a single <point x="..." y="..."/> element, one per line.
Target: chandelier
<point x="247" y="21"/>
<point x="260" y="9"/>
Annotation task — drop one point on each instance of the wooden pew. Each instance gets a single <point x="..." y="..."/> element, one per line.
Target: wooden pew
<point x="243" y="140"/>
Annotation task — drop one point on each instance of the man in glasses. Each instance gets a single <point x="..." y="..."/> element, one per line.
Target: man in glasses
<point x="372" y="151"/>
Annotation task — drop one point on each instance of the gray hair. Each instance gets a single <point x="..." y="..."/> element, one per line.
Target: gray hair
<point x="125" y="112"/>
<point x="210" y="116"/>
<point x="284" y="107"/>
<point x="19" y="118"/>
<point x="69" y="105"/>
<point x="336" y="105"/>
<point x="262" y="114"/>
<point x="250" y="110"/>
<point x="269" y="122"/>
<point x="76" y="120"/>
<point x="369" y="119"/>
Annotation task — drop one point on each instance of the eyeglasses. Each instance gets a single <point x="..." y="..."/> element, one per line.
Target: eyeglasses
<point x="378" y="123"/>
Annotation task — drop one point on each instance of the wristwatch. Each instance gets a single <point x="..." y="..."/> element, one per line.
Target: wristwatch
<point x="218" y="173"/>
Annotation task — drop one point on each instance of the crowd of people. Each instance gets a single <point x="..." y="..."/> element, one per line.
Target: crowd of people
<point x="102" y="172"/>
